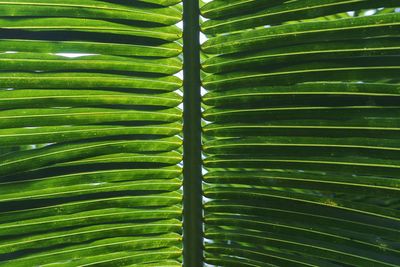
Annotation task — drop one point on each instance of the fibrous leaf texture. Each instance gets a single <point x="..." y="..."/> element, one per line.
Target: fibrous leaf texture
<point x="90" y="133"/>
<point x="301" y="133"/>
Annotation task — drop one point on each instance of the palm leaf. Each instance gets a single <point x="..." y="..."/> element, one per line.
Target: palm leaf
<point x="301" y="147"/>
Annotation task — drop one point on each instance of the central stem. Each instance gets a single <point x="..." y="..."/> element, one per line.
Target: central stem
<point x="192" y="170"/>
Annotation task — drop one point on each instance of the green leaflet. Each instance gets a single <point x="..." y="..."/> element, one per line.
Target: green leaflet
<point x="151" y="201"/>
<point x="340" y="162"/>
<point x="289" y="11"/>
<point x="354" y="113"/>
<point x="289" y="212"/>
<point x="303" y="93"/>
<point x="40" y="61"/>
<point x="168" y="33"/>
<point x="81" y="116"/>
<point x="116" y="249"/>
<point x="81" y="98"/>
<point x="219" y="8"/>
<point x="345" y="29"/>
<point x="371" y="127"/>
<point x="161" y="159"/>
<point x="112" y="215"/>
<point x="85" y="234"/>
<point x="304" y="73"/>
<point x="303" y="53"/>
<point x="86" y="81"/>
<point x="261" y="145"/>
<point x="261" y="196"/>
<point x="307" y="249"/>
<point x="328" y="182"/>
<point x="92" y="178"/>
<point x="287" y="231"/>
<point x="87" y="9"/>
<point x="54" y="134"/>
<point x="93" y="189"/>
<point x="25" y="160"/>
<point x="44" y="46"/>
